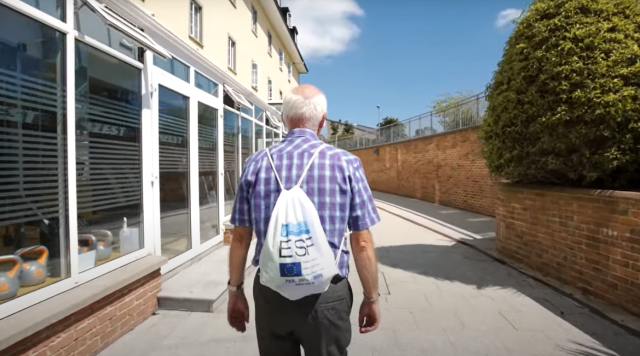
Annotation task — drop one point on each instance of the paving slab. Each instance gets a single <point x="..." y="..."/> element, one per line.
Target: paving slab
<point x="200" y="287"/>
<point x="444" y="299"/>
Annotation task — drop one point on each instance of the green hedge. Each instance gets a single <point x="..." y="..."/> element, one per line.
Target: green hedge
<point x="564" y="103"/>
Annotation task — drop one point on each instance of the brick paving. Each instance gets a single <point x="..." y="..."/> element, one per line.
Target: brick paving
<point x="439" y="298"/>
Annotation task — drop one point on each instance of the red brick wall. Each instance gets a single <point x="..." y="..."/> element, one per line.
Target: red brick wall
<point x="93" y="328"/>
<point x="589" y="240"/>
<point x="446" y="169"/>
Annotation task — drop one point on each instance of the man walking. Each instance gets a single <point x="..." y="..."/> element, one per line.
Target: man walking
<point x="334" y="181"/>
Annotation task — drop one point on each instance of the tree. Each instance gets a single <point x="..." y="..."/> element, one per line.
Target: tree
<point x="457" y="111"/>
<point x="564" y="103"/>
<point x="391" y="130"/>
<point x="335" y="129"/>
<point x="348" y="129"/>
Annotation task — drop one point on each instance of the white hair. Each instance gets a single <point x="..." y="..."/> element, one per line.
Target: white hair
<point x="303" y="111"/>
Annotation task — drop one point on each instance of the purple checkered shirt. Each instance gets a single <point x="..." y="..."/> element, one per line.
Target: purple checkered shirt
<point x="335" y="183"/>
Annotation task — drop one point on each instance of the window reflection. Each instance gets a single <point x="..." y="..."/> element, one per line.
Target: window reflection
<point x="108" y="156"/>
<point x="54" y="8"/>
<point x="208" y="167"/>
<point x="33" y="195"/>
<point x="246" y="128"/>
<point x="269" y="140"/>
<point x="258" y="113"/>
<point x="258" y="137"/>
<point x="205" y="84"/>
<point x="230" y="158"/>
<point x="174" y="173"/>
<point x="172" y="66"/>
<point x="88" y="23"/>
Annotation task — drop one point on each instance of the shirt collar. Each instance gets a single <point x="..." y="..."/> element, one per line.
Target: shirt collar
<point x="302" y="133"/>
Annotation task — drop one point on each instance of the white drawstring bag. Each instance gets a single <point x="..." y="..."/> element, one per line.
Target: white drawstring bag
<point x="296" y="259"/>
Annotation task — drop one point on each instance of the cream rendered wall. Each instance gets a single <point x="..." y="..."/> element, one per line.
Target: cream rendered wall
<point x="221" y="19"/>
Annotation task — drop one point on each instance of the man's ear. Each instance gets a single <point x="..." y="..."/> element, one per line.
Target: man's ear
<point x="324" y="119"/>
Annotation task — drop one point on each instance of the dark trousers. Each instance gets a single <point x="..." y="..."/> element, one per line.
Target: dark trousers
<point x="319" y="323"/>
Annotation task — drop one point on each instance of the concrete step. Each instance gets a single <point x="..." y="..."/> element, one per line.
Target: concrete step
<point x="202" y="286"/>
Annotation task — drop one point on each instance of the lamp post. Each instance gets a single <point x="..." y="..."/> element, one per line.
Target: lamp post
<point x="378" y="106"/>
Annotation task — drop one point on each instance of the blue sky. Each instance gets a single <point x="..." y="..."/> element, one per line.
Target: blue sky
<point x="399" y="54"/>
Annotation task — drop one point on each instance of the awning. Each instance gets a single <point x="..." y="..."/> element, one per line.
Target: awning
<point x="237" y="97"/>
<point x="119" y="23"/>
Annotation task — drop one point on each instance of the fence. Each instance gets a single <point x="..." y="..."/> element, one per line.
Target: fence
<point x="465" y="113"/>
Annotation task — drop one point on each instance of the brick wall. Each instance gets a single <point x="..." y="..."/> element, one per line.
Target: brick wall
<point x="93" y="328"/>
<point x="446" y="168"/>
<point x="589" y="240"/>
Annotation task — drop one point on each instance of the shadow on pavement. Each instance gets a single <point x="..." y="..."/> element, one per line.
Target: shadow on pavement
<point x="459" y="263"/>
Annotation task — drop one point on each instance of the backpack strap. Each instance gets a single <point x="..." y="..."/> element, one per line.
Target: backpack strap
<point x="313" y="158"/>
<point x="273" y="166"/>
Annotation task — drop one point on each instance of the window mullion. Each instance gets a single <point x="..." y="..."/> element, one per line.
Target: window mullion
<point x="72" y="220"/>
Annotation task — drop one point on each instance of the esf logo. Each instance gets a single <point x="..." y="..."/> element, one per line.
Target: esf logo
<point x="294" y="229"/>
<point x="298" y="246"/>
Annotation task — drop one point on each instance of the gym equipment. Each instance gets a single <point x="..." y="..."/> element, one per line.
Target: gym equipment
<point x="105" y="241"/>
<point x="34" y="271"/>
<point x="86" y="243"/>
<point x="10" y="280"/>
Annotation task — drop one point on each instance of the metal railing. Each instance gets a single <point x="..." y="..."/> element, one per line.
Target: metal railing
<point x="465" y="113"/>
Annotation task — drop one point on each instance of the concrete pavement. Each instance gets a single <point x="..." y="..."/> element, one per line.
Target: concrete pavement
<point x="439" y="298"/>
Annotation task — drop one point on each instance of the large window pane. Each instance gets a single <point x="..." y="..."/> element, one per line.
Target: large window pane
<point x="33" y="196"/>
<point x="205" y="84"/>
<point x="269" y="140"/>
<point x="174" y="173"/>
<point x="258" y="137"/>
<point x="208" y="167"/>
<point x="230" y="158"/>
<point x="54" y="8"/>
<point x="257" y="113"/>
<point x="108" y="156"/>
<point x="88" y="23"/>
<point x="246" y="127"/>
<point x="172" y="66"/>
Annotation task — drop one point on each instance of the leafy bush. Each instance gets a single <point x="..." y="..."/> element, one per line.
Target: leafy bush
<point x="564" y="103"/>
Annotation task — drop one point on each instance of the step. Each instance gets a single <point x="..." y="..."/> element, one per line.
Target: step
<point x="202" y="286"/>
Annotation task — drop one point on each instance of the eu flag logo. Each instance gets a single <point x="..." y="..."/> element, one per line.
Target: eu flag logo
<point x="293" y="269"/>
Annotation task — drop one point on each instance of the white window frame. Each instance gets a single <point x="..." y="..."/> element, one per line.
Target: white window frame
<point x="111" y="19"/>
<point x="254" y="19"/>
<point x="280" y="58"/>
<point x="116" y="21"/>
<point x="255" y="75"/>
<point x="237" y="97"/>
<point x="232" y="50"/>
<point x="195" y="20"/>
<point x="269" y="89"/>
<point x="269" y="42"/>
<point x="289" y="71"/>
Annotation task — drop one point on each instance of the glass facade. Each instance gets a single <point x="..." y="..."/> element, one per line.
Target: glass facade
<point x="259" y="130"/>
<point x="174" y="67"/>
<point x="33" y="160"/>
<point x="108" y="155"/>
<point x="231" y="173"/>
<point x="173" y="119"/>
<point x="208" y="171"/>
<point x="246" y="129"/>
<point x="145" y="176"/>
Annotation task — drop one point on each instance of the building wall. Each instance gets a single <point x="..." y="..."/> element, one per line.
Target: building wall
<point x="584" y="239"/>
<point x="93" y="328"/>
<point x="446" y="168"/>
<point x="221" y="19"/>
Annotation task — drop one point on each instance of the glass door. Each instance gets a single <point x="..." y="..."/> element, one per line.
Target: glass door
<point x="209" y="196"/>
<point x="174" y="188"/>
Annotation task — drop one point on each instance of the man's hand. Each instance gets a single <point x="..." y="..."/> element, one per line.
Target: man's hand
<point x="369" y="318"/>
<point x="238" y="311"/>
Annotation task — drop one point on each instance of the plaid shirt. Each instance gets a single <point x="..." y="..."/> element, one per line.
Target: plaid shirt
<point x="335" y="183"/>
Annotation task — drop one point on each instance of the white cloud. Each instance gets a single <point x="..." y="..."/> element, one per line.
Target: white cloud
<point x="325" y="28"/>
<point x="505" y="17"/>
